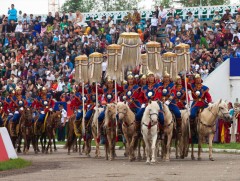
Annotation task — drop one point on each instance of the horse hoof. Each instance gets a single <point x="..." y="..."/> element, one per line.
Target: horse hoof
<point x="193" y="158"/>
<point x="177" y="157"/>
<point x="144" y="158"/>
<point x="55" y="150"/>
<point x="139" y="158"/>
<point x="69" y="153"/>
<point x="148" y="162"/>
<point x="36" y="152"/>
<point x="19" y="151"/>
<point x="24" y="152"/>
<point x="199" y="158"/>
<point x="125" y="154"/>
<point x="211" y="159"/>
<point x="182" y="157"/>
<point x="80" y="153"/>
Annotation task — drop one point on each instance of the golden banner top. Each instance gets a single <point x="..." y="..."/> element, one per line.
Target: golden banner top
<point x="129" y="35"/>
<point x="81" y="57"/>
<point x="182" y="46"/>
<point x="96" y="55"/>
<point x="114" y="47"/>
<point x="169" y="54"/>
<point x="153" y="44"/>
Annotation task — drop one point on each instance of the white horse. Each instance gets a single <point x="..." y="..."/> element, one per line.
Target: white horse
<point x="94" y="129"/>
<point x="150" y="130"/>
<point x="206" y="124"/>
<point x="127" y="117"/>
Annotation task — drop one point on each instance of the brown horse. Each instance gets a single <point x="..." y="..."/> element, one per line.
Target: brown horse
<point x="26" y="129"/>
<point x="110" y="127"/>
<point x="74" y="134"/>
<point x="127" y="117"/>
<point x="53" y="121"/>
<point x="14" y="130"/>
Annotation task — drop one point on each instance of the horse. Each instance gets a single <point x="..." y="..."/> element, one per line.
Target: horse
<point x="127" y="117"/>
<point x="53" y="121"/>
<point x="206" y="124"/>
<point x="110" y="128"/>
<point x="14" y="130"/>
<point x="149" y="130"/>
<point x="74" y="134"/>
<point x="94" y="130"/>
<point x="182" y="140"/>
<point x="26" y="130"/>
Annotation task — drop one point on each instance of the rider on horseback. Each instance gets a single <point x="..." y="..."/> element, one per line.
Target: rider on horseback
<point x="201" y="99"/>
<point x="131" y="94"/>
<point x="168" y="91"/>
<point x="92" y="100"/>
<point x="19" y="102"/>
<point x="149" y="92"/>
<point x="180" y="96"/>
<point x="109" y="97"/>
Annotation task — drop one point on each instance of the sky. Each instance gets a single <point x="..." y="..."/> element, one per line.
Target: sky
<point x="41" y="6"/>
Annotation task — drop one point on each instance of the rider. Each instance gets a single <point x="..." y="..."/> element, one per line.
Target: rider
<point x="77" y="101"/>
<point x="92" y="100"/>
<point x="149" y="92"/>
<point x="168" y="90"/>
<point x="131" y="94"/>
<point x="201" y="99"/>
<point x="180" y="96"/>
<point x="143" y="80"/>
<point x="18" y="102"/>
<point x="108" y="97"/>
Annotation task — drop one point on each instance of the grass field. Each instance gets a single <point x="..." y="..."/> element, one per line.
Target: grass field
<point x="14" y="164"/>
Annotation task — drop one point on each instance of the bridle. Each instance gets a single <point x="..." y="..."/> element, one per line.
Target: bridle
<point x="152" y="122"/>
<point x="220" y="110"/>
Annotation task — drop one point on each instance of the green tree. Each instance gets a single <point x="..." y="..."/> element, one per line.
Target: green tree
<point x="194" y="3"/>
<point x="81" y="5"/>
<point x="117" y="5"/>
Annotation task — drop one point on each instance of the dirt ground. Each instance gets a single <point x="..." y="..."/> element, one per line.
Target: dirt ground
<point x="60" y="166"/>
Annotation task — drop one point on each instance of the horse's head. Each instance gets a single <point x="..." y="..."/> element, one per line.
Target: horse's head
<point x="222" y="110"/>
<point x="28" y="114"/>
<point x="122" y="109"/>
<point x="111" y="110"/>
<point x="152" y="110"/>
<point x="57" y="118"/>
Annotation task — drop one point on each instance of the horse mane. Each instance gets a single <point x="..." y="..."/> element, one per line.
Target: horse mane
<point x="130" y="115"/>
<point x="107" y="118"/>
<point x="151" y="105"/>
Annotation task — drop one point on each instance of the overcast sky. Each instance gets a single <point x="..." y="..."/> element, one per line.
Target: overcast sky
<point x="41" y="6"/>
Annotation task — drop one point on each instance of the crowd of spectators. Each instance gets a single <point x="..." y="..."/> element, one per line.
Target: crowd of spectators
<point x="36" y="52"/>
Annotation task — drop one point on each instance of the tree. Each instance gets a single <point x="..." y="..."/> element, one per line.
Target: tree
<point x="117" y="5"/>
<point x="80" y="5"/>
<point x="194" y="3"/>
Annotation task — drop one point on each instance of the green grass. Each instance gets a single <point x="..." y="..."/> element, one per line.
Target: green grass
<point x="14" y="164"/>
<point x="222" y="146"/>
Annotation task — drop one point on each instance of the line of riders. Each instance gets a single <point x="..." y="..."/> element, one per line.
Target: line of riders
<point x="136" y="92"/>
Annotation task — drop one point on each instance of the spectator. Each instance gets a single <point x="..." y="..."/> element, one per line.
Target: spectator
<point x="12" y="14"/>
<point x="178" y="22"/>
<point x="49" y="19"/>
<point x="162" y="14"/>
<point x="19" y="27"/>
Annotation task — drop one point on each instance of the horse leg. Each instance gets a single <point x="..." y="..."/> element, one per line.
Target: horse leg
<point x="79" y="145"/>
<point x="168" y="146"/>
<point x="25" y="143"/>
<point x="154" y="153"/>
<point x="19" y="140"/>
<point x="50" y="143"/>
<point x="177" y="145"/>
<point x="147" y="149"/>
<point x="139" y="157"/>
<point x="211" y="136"/>
<point x="54" y="144"/>
<point x="106" y="150"/>
<point x="199" y="147"/>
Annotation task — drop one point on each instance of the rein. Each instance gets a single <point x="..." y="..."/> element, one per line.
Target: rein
<point x="151" y="123"/>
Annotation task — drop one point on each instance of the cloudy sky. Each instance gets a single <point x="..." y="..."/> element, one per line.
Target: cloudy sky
<point x="41" y="6"/>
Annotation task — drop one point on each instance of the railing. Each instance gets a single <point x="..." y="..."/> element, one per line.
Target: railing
<point x="203" y="13"/>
